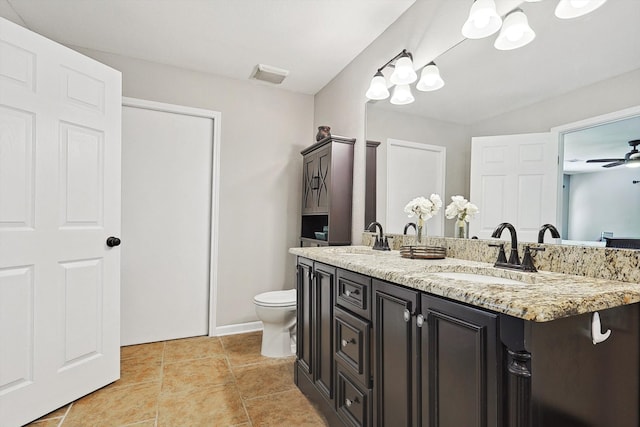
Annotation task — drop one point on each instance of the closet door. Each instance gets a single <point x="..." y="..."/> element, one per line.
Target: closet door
<point x="60" y="118"/>
<point x="167" y="157"/>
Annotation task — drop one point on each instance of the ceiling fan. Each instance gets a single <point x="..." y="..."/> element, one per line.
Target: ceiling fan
<point x="631" y="159"/>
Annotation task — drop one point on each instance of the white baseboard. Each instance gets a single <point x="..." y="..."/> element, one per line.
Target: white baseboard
<point x="239" y="328"/>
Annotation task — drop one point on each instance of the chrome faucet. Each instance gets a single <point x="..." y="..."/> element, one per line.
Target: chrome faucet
<point x="382" y="242"/>
<point x="544" y="228"/>
<point x="409" y="225"/>
<point x="514" y="258"/>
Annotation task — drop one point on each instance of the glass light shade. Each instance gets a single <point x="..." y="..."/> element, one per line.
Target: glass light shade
<point x="483" y="20"/>
<point x="430" y="78"/>
<point x="404" y="73"/>
<point x="378" y="87"/>
<point x="515" y="32"/>
<point x="568" y="9"/>
<point x="402" y="95"/>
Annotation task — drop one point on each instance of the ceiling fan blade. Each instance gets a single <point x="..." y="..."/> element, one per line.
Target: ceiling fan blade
<point x="604" y="160"/>
<point x="611" y="165"/>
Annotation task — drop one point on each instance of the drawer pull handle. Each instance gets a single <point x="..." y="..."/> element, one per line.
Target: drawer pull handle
<point x="345" y="342"/>
<point x="349" y="293"/>
<point x="350" y="402"/>
<point x="420" y="320"/>
<point x="407" y="315"/>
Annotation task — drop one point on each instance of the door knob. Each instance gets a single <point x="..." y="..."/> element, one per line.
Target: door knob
<point x="113" y="241"/>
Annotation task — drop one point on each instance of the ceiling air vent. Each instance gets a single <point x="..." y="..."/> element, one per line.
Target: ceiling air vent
<point x="269" y="74"/>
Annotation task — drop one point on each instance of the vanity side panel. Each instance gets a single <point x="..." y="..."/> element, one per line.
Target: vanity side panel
<point x="578" y="384"/>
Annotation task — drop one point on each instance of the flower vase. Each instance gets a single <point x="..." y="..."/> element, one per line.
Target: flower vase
<point x="421" y="232"/>
<point x="461" y="229"/>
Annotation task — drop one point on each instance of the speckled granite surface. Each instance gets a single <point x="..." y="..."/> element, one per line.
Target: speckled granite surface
<point x="597" y="262"/>
<point x="544" y="296"/>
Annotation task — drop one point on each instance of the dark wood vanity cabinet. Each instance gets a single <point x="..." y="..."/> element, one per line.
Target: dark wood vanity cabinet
<point x="395" y="380"/>
<point x="316" y="284"/>
<point x="460" y="360"/>
<point x="327" y="191"/>
<point x="374" y="353"/>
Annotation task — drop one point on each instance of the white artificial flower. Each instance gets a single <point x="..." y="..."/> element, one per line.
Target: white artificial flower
<point x="461" y="208"/>
<point x="423" y="208"/>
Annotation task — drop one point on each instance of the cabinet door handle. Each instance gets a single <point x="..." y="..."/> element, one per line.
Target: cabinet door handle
<point x="407" y="315"/>
<point x="345" y="342"/>
<point x="350" y="402"/>
<point x="348" y="293"/>
<point x="420" y="320"/>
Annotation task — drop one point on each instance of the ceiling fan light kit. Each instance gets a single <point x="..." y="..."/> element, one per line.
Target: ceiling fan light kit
<point x="630" y="160"/>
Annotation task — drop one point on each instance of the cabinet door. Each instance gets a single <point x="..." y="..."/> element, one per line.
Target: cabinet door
<point x="323" y="329"/>
<point x="324" y="179"/>
<point x="459" y="359"/>
<point x="304" y="343"/>
<point x="310" y="184"/>
<point x="394" y="382"/>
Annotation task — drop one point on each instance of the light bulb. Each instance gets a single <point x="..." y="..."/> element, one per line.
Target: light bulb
<point x="514" y="33"/>
<point x="481" y="19"/>
<point x="378" y="87"/>
<point x="402" y="95"/>
<point x="404" y="72"/>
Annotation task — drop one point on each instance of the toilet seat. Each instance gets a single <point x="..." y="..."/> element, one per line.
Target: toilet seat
<point x="276" y="298"/>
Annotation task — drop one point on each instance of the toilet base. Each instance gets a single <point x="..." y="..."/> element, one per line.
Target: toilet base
<point x="276" y="341"/>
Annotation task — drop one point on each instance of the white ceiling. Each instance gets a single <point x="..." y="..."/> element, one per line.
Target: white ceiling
<point x="313" y="39"/>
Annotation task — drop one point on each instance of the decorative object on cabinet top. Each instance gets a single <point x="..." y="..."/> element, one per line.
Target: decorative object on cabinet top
<point x="323" y="132"/>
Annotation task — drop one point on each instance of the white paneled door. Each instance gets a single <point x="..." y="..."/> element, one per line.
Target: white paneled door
<point x="167" y="169"/>
<point x="60" y="116"/>
<point x="514" y="178"/>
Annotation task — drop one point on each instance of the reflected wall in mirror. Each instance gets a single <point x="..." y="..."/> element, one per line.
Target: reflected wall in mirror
<point x="573" y="70"/>
<point x="600" y="199"/>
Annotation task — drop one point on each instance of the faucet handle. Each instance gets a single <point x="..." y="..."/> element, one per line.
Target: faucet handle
<point x="527" y="260"/>
<point x="502" y="257"/>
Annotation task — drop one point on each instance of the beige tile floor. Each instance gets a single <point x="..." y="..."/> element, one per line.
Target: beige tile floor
<point x="197" y="381"/>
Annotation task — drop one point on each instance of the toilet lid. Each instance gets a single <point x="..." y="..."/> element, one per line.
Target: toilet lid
<point x="276" y="298"/>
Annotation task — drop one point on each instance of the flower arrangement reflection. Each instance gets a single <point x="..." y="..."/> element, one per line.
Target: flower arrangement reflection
<point x="423" y="209"/>
<point x="463" y="210"/>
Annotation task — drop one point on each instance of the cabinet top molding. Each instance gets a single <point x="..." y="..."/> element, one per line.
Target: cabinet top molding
<point x="327" y="140"/>
<point x="545" y="296"/>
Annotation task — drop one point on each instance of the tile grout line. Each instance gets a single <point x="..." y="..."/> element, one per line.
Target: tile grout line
<point x="65" y="414"/>
<point x="235" y="383"/>
<point x="164" y="346"/>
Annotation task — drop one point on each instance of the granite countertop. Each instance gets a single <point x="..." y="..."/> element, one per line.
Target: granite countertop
<point x="544" y="296"/>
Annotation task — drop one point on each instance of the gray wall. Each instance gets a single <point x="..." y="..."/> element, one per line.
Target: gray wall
<point x="263" y="131"/>
<point x="613" y="203"/>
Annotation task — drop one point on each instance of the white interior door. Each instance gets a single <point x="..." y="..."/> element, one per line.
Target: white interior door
<point x="60" y="118"/>
<point x="413" y="169"/>
<point x="514" y="178"/>
<point x="166" y="221"/>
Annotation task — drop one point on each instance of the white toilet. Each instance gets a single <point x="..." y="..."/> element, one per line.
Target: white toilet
<point x="277" y="311"/>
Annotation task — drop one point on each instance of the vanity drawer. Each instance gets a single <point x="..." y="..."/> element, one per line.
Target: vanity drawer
<point x="353" y="402"/>
<point x="352" y="344"/>
<point x="353" y="292"/>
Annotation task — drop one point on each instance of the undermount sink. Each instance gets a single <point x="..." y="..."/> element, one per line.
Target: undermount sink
<point x="479" y="278"/>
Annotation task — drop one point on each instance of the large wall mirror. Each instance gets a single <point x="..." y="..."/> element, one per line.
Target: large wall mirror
<point x="491" y="92"/>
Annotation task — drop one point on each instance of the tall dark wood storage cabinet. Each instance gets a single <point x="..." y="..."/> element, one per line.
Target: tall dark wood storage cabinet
<point x="327" y="190"/>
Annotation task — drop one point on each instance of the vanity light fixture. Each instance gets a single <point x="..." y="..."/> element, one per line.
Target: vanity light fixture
<point x="568" y="9"/>
<point x="515" y="31"/>
<point x="483" y="20"/>
<point x="430" y="78"/>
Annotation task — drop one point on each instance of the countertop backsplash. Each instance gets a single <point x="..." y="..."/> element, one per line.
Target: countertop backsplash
<point x="597" y="262"/>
